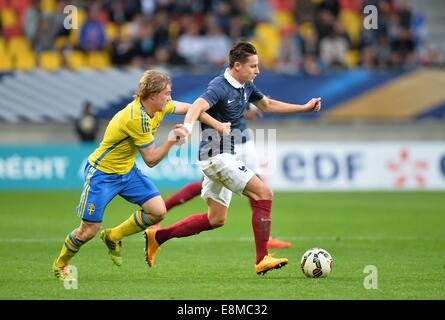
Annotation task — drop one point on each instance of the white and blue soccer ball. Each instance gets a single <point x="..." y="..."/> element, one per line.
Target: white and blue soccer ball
<point x="316" y="263"/>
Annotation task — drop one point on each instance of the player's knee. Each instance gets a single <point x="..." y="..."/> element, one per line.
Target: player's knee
<point x="158" y="215"/>
<point x="266" y="194"/>
<point x="86" y="232"/>
<point x="217" y="222"/>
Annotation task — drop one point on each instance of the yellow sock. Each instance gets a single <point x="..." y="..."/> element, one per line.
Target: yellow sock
<point x="137" y="222"/>
<point x="69" y="249"/>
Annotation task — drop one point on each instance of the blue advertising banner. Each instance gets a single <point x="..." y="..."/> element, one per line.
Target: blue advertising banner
<point x="60" y="166"/>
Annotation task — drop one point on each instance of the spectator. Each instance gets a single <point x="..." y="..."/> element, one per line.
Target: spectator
<point x="310" y="52"/>
<point x="191" y="45"/>
<point x="402" y="49"/>
<point x="31" y="20"/>
<point x="87" y="126"/>
<point x="382" y="51"/>
<point x="334" y="48"/>
<point x="260" y="11"/>
<point x="145" y="46"/>
<point x="217" y="44"/>
<point x="92" y="33"/>
<point x="289" y="52"/>
<point x="45" y="36"/>
<point x="122" y="49"/>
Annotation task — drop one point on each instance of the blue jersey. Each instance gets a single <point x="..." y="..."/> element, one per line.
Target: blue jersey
<point x="228" y="100"/>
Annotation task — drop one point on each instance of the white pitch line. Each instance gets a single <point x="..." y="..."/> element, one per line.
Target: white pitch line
<point x="241" y="239"/>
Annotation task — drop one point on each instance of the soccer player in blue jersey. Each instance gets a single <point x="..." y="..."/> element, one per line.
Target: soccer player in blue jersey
<point x="245" y="151"/>
<point x="226" y="99"/>
<point x="111" y="169"/>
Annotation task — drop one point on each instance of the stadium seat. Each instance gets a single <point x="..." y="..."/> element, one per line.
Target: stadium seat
<point x="76" y="60"/>
<point x="20" y="5"/>
<point x="48" y="6"/>
<point x="98" y="60"/>
<point x="8" y="18"/>
<point x="266" y="40"/>
<point x="61" y="42"/>
<point x="19" y="45"/>
<point x="5" y="62"/>
<point x="2" y="45"/>
<point x="283" y="19"/>
<point x="352" y="23"/>
<point x="306" y="28"/>
<point x="25" y="61"/>
<point x="352" y="58"/>
<point x="50" y="60"/>
<point x="110" y="31"/>
<point x="81" y="16"/>
<point x="126" y="31"/>
<point x="74" y="37"/>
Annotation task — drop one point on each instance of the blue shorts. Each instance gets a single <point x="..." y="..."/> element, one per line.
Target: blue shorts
<point x="100" y="188"/>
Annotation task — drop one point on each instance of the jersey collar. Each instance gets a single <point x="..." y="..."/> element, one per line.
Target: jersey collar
<point x="143" y="109"/>
<point x="233" y="82"/>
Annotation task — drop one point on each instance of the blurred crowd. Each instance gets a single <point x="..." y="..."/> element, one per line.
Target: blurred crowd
<point x="291" y="35"/>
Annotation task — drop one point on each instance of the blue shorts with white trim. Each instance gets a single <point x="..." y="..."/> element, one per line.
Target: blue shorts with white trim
<point x="100" y="188"/>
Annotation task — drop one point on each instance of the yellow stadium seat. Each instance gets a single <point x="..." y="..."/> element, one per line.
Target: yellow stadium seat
<point x="61" y="42"/>
<point x="25" y="62"/>
<point x="74" y="37"/>
<point x="266" y="39"/>
<point x="352" y="23"/>
<point x="305" y="28"/>
<point x="111" y="31"/>
<point x="283" y="19"/>
<point x="8" y="18"/>
<point x="81" y="16"/>
<point x="19" y="45"/>
<point x="50" y="60"/>
<point x="5" y="62"/>
<point x="352" y="58"/>
<point x="126" y="30"/>
<point x="99" y="60"/>
<point x="48" y="6"/>
<point x="76" y="60"/>
<point x="2" y="45"/>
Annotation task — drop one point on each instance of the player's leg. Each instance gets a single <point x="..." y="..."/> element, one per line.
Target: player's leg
<point x="73" y="241"/>
<point x="187" y="193"/>
<point x="218" y="199"/>
<point x="247" y="153"/>
<point x="261" y="199"/>
<point x="91" y="208"/>
<point x="138" y="189"/>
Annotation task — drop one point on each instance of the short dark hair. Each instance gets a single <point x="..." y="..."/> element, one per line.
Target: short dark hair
<point x="240" y="52"/>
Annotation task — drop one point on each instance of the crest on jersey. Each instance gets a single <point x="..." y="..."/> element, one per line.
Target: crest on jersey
<point x="91" y="208"/>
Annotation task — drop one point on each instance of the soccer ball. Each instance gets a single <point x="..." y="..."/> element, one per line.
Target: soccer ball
<point x="316" y="263"/>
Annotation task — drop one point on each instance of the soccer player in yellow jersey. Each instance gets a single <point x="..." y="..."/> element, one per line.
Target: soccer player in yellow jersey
<point x="111" y="169"/>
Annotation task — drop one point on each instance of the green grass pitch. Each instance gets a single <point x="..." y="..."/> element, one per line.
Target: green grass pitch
<point x="400" y="233"/>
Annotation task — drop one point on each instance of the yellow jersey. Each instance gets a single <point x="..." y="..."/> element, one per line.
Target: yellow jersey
<point x="129" y="130"/>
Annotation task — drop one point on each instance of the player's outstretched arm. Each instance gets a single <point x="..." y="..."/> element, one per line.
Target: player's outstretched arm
<point x="276" y="106"/>
<point x="152" y="155"/>
<point x="193" y="113"/>
<point x="222" y="128"/>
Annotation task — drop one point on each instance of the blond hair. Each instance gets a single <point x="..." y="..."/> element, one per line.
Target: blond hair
<point x="152" y="82"/>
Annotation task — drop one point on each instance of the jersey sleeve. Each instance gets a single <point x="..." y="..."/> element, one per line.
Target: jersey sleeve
<point x="213" y="94"/>
<point x="256" y="95"/>
<point x="169" y="108"/>
<point x="140" y="133"/>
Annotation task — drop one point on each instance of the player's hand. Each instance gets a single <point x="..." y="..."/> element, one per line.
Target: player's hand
<point x="224" y="128"/>
<point x="314" y="105"/>
<point x="179" y="135"/>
